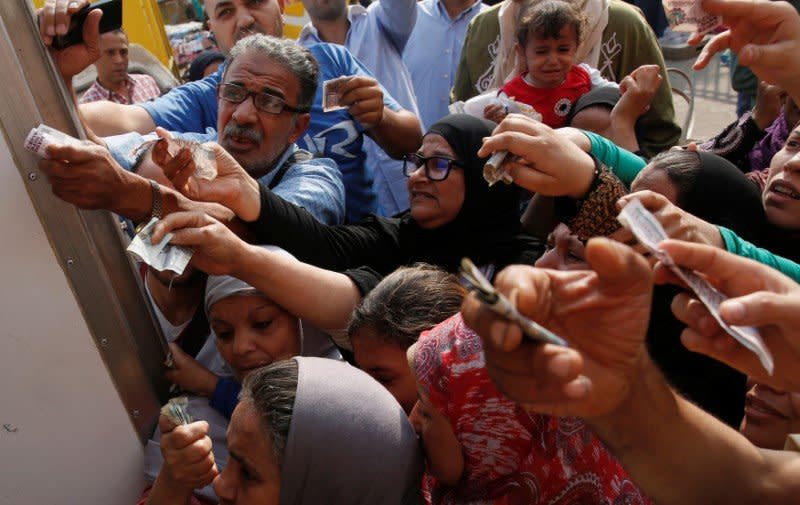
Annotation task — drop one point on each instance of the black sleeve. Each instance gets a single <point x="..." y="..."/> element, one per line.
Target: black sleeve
<point x="364" y="278"/>
<point x="372" y="241"/>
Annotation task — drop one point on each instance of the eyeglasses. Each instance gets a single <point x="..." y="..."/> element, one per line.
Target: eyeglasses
<point x="437" y="168"/>
<point x="265" y="102"/>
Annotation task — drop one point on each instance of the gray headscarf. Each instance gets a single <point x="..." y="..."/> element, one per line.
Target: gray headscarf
<point x="349" y="442"/>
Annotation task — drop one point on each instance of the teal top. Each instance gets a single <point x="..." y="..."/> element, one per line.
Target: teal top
<point x="741" y="247"/>
<point x="627" y="165"/>
<point x="622" y="162"/>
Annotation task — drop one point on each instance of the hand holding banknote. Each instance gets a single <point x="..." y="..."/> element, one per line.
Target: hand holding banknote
<point x="759" y="296"/>
<point x="543" y="161"/>
<point x="188" y="459"/>
<point x="603" y="314"/>
<point x="232" y="187"/>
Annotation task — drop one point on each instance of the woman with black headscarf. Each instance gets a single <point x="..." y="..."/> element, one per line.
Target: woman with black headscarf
<point x="733" y="212"/>
<point x="453" y="214"/>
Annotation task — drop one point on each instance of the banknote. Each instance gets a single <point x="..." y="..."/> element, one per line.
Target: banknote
<point x="647" y="230"/>
<point x="176" y="411"/>
<point x="332" y="94"/>
<point x="42" y="136"/>
<point x="161" y="256"/>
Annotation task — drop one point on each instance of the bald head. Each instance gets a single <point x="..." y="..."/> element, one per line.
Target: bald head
<point x="232" y="20"/>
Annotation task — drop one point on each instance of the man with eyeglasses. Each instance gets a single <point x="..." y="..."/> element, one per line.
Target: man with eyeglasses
<point x="264" y="101"/>
<point x="192" y="107"/>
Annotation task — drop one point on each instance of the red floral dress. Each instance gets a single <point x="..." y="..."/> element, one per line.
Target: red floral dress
<point x="511" y="456"/>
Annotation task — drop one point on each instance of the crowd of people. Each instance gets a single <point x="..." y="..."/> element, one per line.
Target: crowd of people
<point x="329" y="350"/>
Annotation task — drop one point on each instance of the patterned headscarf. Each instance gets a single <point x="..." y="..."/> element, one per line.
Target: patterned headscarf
<point x="510" y="455"/>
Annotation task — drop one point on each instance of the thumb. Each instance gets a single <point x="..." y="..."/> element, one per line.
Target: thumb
<point x="91" y="32"/>
<point x="757" y="309"/>
<point x="163" y="133"/>
<point x="618" y="266"/>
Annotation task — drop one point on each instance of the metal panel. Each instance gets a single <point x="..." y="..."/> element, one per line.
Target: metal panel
<point x="88" y="244"/>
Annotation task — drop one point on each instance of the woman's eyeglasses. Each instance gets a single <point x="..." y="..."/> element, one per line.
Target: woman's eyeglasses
<point x="264" y="102"/>
<point x="437" y="168"/>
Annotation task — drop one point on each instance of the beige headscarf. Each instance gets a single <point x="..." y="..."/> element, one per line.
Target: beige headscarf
<point x="506" y="65"/>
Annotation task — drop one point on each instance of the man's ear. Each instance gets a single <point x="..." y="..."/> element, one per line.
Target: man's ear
<point x="300" y="126"/>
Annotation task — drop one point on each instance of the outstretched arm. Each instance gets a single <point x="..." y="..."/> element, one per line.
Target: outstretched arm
<point x="324" y="298"/>
<point x="675" y="452"/>
<point x="398" y="132"/>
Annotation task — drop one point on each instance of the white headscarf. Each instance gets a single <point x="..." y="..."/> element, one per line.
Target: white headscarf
<point x="313" y="342"/>
<point x="506" y="64"/>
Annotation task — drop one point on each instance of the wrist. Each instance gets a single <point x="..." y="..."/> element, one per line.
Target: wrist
<point x="136" y="198"/>
<point x="209" y="385"/>
<point x="589" y="169"/>
<point x="168" y="491"/>
<point x="648" y="395"/>
<point x="242" y="258"/>
<point x="248" y="204"/>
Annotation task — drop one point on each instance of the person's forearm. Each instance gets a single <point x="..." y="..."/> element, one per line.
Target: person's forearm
<point x="539" y="218"/>
<point x="399" y="133"/>
<point x="109" y="118"/>
<point x="166" y="492"/>
<point x="623" y="133"/>
<point x="324" y="298"/>
<point x="136" y="203"/>
<point x="676" y="453"/>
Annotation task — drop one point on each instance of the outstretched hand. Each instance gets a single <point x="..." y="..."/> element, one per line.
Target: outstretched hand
<point x="363" y="97"/>
<point x="189" y="374"/>
<point x="603" y="313"/>
<point x="188" y="459"/>
<point x="233" y="187"/>
<point x="54" y="20"/>
<point x="677" y="223"/>
<point x="217" y="250"/>
<point x="544" y="161"/>
<point x="761" y="297"/>
<point x="765" y="35"/>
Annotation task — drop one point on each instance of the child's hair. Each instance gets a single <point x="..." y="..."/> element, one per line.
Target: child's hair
<point x="545" y="19"/>
<point x="408" y="302"/>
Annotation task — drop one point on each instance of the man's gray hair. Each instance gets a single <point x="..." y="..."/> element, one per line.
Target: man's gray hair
<point x="288" y="53"/>
<point x="271" y="391"/>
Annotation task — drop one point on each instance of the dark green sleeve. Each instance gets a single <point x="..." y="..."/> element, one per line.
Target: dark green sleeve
<point x="476" y="63"/>
<point x="625" y="165"/>
<point x="462" y="85"/>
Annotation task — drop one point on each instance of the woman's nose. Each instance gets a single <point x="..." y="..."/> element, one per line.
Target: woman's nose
<point x="793" y="164"/>
<point x="224" y="487"/>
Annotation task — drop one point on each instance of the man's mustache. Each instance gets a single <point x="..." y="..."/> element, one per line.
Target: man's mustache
<point x="246" y="32"/>
<point x="242" y="132"/>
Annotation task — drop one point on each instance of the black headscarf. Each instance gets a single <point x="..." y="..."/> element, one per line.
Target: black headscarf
<point x="722" y="195"/>
<point x="487" y="228"/>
